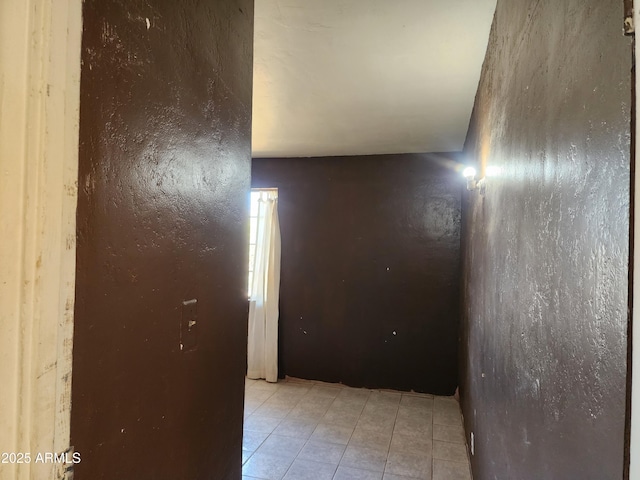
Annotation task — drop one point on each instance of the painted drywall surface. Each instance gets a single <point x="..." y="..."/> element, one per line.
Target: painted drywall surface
<point x="370" y="269"/>
<point x="162" y="219"/>
<point x="354" y="78"/>
<point x="39" y="94"/>
<point x="546" y="248"/>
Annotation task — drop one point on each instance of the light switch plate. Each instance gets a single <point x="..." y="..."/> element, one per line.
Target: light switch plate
<point x="189" y="325"/>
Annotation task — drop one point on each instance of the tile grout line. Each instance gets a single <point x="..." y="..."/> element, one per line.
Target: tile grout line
<point x="395" y="420"/>
<point x="252" y="413"/>
<point x="308" y="439"/>
<point x="345" y="447"/>
<point x="351" y="436"/>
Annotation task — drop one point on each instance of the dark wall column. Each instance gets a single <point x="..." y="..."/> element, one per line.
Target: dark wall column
<point x="370" y="268"/>
<point x="162" y="219"/>
<point x="546" y="248"/>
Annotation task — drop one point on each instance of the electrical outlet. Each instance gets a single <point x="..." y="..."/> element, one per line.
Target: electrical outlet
<point x="189" y="325"/>
<point x="472" y="445"/>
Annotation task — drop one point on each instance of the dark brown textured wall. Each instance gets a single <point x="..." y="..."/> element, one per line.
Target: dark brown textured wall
<point x="370" y="269"/>
<point x="546" y="248"/>
<point x="164" y="174"/>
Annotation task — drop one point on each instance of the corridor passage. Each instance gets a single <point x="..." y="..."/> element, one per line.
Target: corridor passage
<point x="305" y="430"/>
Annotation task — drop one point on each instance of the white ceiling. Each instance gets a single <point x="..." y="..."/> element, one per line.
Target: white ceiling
<point x="352" y="77"/>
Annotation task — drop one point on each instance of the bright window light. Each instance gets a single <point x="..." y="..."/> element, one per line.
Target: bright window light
<point x="253" y="231"/>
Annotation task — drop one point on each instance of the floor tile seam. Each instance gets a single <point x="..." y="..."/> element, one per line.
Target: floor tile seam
<point x="274" y="409"/>
<point x="323" y="414"/>
<point x="271" y="456"/>
<point x="466" y="464"/>
<point x="445" y="413"/>
<point x="415" y="455"/>
<point x="259" y="403"/>
<point x="248" y="458"/>
<point x="460" y="462"/>
<point x="360" y="407"/>
<point x="282" y="408"/>
<point x="446" y="407"/>
<point x="430" y="406"/>
<point x="308" y="398"/>
<point x="265" y="439"/>
<point x="270" y="395"/>
<point x="349" y="440"/>
<point x="284" y="459"/>
<point x="301" y="459"/>
<point x="268" y="416"/>
<point x="308" y="440"/>
<point x="449" y="441"/>
<point x="338" y="424"/>
<point x="450" y="461"/>
<point x="445" y="424"/>
<point x="259" y="431"/>
<point x="386" y="462"/>
<point x="338" y="419"/>
<point x="363" y="468"/>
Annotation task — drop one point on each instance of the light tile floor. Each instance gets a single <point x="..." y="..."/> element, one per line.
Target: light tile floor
<point x="304" y="430"/>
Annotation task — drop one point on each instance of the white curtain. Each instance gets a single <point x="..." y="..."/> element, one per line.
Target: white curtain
<point x="262" y="345"/>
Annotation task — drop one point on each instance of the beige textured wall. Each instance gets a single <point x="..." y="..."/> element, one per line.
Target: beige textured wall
<point x="39" y="103"/>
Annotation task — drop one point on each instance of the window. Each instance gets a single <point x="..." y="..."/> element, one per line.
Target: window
<point x="253" y="228"/>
